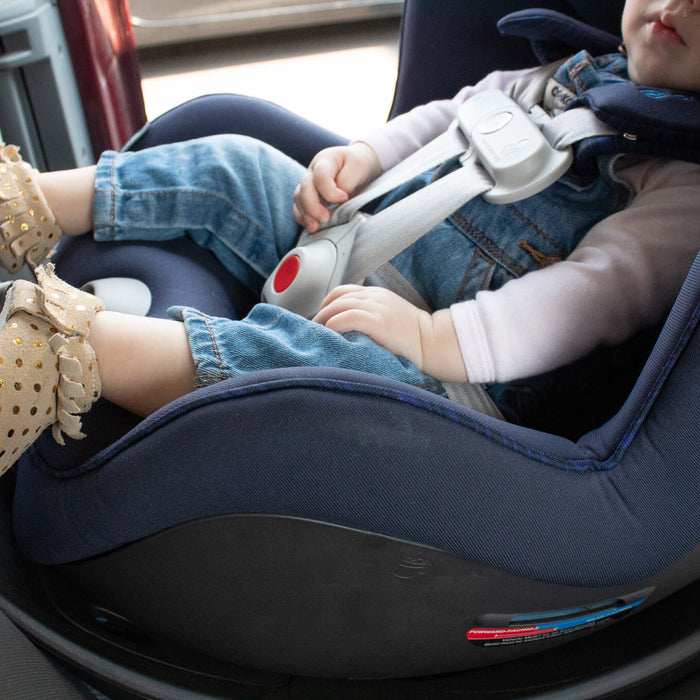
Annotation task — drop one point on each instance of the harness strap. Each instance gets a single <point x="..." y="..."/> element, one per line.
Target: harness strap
<point x="385" y="234"/>
<point x="389" y="277"/>
<point x="449" y="144"/>
<point x="575" y="125"/>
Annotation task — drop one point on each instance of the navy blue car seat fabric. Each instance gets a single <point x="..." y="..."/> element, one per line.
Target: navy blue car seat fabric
<point x="226" y="113"/>
<point x="616" y="505"/>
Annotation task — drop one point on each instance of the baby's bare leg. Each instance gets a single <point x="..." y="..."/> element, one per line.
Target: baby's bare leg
<point x="144" y="363"/>
<point x="69" y="194"/>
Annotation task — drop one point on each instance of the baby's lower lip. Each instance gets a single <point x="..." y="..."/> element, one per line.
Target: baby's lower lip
<point x="664" y="33"/>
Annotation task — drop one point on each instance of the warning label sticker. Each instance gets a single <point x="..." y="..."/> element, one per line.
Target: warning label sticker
<point x="500" y="636"/>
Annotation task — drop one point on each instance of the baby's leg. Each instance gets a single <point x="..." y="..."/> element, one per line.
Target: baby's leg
<point x="231" y="194"/>
<point x="69" y="194"/>
<point x="144" y="362"/>
<point x="272" y="338"/>
<point x="58" y="350"/>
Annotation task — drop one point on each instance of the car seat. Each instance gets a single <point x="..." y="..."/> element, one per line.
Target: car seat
<point x="282" y="532"/>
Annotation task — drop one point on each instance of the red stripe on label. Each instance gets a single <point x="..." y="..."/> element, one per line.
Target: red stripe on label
<point x="478" y="634"/>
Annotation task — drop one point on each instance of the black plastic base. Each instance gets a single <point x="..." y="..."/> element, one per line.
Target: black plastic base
<point x="630" y="659"/>
<point x="304" y="598"/>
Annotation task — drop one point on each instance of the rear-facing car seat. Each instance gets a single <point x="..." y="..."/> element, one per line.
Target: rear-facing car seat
<point x="322" y="522"/>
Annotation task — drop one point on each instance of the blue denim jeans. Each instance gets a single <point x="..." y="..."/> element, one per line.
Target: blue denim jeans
<point x="232" y="195"/>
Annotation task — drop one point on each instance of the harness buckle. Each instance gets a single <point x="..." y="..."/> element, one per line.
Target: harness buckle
<point x="511" y="147"/>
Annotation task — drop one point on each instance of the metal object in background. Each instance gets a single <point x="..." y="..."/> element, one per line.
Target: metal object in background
<point x="40" y="109"/>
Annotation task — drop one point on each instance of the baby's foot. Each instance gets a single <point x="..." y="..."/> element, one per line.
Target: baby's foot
<point x="48" y="370"/>
<point x="28" y="228"/>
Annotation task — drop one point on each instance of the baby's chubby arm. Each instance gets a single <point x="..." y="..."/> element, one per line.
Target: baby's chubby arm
<point x="333" y="176"/>
<point x="428" y="340"/>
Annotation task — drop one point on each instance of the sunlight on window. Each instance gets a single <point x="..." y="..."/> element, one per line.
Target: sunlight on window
<point x="348" y="91"/>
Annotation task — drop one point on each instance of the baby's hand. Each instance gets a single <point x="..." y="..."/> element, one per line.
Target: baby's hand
<point x="389" y="320"/>
<point x="427" y="340"/>
<point x="332" y="178"/>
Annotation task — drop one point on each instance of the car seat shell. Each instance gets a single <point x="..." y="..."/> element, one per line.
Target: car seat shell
<point x="609" y="516"/>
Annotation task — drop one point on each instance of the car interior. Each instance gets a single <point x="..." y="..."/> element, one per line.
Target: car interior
<point x="332" y="534"/>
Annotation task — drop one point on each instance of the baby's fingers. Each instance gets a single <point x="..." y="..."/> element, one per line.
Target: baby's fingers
<point x="311" y="198"/>
<point x="323" y="177"/>
<point x="308" y="208"/>
<point x="340" y="291"/>
<point x="329" y="305"/>
<point x="306" y="221"/>
<point x="349" y="308"/>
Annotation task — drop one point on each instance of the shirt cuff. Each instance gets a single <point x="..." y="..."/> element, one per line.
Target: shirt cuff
<point x="473" y="342"/>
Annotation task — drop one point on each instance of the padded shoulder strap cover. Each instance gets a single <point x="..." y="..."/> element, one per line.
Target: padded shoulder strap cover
<point x="651" y="121"/>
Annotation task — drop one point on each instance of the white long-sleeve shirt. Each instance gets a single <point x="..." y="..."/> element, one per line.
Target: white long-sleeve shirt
<point x="623" y="276"/>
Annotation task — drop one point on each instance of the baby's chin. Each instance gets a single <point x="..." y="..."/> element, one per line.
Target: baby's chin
<point x="654" y="75"/>
<point x="650" y="78"/>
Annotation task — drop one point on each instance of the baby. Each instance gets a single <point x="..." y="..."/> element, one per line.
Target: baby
<point x="490" y="295"/>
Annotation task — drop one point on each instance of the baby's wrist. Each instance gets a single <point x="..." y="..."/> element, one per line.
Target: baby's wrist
<point x="442" y="356"/>
<point x="364" y="151"/>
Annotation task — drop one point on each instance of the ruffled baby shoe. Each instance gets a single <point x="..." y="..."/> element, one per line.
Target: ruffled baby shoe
<point x="48" y="370"/>
<point x="28" y="228"/>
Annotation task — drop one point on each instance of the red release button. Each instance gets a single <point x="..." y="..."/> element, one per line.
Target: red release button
<point x="287" y="273"/>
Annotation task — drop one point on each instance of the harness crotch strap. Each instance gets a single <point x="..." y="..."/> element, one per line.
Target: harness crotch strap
<point x="505" y="155"/>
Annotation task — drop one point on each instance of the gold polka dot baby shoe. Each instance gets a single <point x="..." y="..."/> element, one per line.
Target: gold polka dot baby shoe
<point x="48" y="370"/>
<point x="28" y="228"/>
